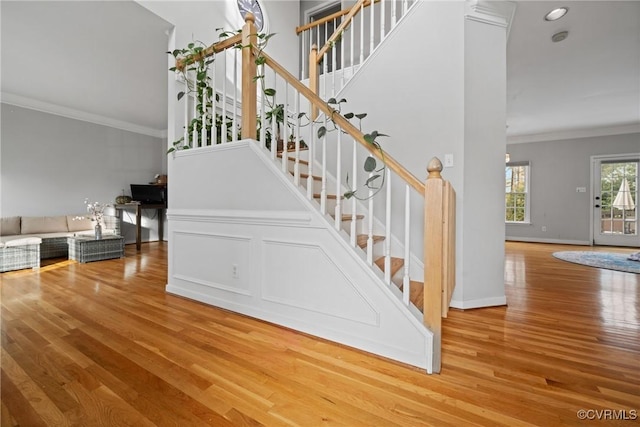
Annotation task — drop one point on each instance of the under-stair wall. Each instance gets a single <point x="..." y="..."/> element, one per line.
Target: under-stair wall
<point x="254" y="244"/>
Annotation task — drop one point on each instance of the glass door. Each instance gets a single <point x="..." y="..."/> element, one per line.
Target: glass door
<point x="615" y="202"/>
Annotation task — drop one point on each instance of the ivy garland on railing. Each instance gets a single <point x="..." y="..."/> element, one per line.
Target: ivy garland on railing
<point x="202" y="86"/>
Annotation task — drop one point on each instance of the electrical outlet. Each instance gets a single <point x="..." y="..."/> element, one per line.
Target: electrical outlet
<point x="448" y="160"/>
<point x="544" y="228"/>
<point x="234" y="271"/>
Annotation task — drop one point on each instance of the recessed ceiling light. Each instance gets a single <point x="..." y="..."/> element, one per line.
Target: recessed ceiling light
<point x="556" y="14"/>
<point x="558" y="37"/>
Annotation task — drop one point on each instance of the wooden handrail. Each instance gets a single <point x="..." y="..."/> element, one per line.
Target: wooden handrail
<point x="205" y="53"/>
<point x="338" y="32"/>
<point x="344" y="124"/>
<point x="328" y="18"/>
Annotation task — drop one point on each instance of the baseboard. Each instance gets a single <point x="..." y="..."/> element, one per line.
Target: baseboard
<point x="479" y="303"/>
<point x="554" y="241"/>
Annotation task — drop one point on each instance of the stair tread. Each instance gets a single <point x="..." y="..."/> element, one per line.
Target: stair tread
<point x="293" y="159"/>
<point x="329" y="196"/>
<point x="396" y="264"/>
<point x="348" y="217"/>
<point x="416" y="294"/>
<point x="306" y="175"/>
<point x="362" y="240"/>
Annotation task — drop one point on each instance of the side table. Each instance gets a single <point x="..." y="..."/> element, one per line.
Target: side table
<point x="87" y="248"/>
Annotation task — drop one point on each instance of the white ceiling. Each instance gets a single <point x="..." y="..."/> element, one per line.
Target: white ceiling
<point x="109" y="59"/>
<point x="101" y="58"/>
<point x="589" y="81"/>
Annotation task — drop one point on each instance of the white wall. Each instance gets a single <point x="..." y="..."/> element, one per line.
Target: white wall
<point x="447" y="97"/>
<point x="50" y="164"/>
<point x="557" y="168"/>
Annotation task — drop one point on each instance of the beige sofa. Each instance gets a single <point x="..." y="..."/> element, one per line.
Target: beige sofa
<point x="24" y="241"/>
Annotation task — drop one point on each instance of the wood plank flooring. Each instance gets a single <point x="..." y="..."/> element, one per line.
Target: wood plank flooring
<point x="102" y="344"/>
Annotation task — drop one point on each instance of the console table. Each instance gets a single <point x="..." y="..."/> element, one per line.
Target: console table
<point x="138" y="208"/>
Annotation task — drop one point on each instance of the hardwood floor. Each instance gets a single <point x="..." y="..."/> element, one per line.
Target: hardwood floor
<point x="102" y="344"/>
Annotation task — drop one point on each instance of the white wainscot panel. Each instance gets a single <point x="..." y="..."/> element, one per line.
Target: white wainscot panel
<point x="214" y="260"/>
<point x="303" y="276"/>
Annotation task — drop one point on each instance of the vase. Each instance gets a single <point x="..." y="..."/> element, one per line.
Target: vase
<point x="98" y="231"/>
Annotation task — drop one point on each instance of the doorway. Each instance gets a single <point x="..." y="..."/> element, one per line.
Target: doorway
<point x="322" y="33"/>
<point x="615" y="197"/>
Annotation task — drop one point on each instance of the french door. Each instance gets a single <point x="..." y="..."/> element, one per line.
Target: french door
<point x="615" y="200"/>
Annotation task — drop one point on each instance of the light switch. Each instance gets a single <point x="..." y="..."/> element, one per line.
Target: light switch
<point x="581" y="189"/>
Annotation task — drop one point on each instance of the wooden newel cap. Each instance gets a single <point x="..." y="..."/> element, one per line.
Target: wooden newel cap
<point x="314" y="47"/>
<point x="434" y="168"/>
<point x="250" y="18"/>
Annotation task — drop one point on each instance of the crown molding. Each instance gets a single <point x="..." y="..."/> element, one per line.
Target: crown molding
<point x="575" y="134"/>
<point x="58" y="110"/>
<point x="498" y="13"/>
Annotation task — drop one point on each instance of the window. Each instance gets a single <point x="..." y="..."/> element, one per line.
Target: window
<point x="517" y="192"/>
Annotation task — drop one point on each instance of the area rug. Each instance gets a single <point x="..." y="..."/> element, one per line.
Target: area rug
<point x="607" y="260"/>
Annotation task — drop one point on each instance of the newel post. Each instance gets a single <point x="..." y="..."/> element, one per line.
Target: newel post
<point x="249" y="85"/>
<point x="434" y="255"/>
<point x="314" y="80"/>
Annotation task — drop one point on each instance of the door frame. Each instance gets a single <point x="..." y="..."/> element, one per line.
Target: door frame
<point x="595" y="161"/>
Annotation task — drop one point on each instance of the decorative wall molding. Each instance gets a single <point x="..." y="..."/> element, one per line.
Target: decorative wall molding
<point x="192" y="245"/>
<point x="353" y="306"/>
<point x="479" y="303"/>
<point x="541" y="240"/>
<point x="70" y="113"/>
<point x="575" y="134"/>
<point x="491" y="12"/>
<point x="282" y="218"/>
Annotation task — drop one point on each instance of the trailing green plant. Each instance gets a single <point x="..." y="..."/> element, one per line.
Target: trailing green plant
<point x="377" y="175"/>
<point x="194" y="60"/>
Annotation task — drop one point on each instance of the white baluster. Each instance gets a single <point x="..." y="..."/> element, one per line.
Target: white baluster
<point x="285" y="136"/>
<point x="333" y="65"/>
<point x="325" y="65"/>
<point x="296" y="165"/>
<point x="214" y="102"/>
<point x="387" y="237"/>
<point x="323" y="191"/>
<point x="393" y="13"/>
<point x="406" y="281"/>
<point x="303" y="56"/>
<point x="203" y="131"/>
<point x="274" y="119"/>
<point x="194" y="131"/>
<point x="382" y="18"/>
<point x="338" y="210"/>
<point x="343" y="45"/>
<point x="234" y="131"/>
<point x="361" y="34"/>
<point x="223" y="130"/>
<point x="354" y="202"/>
<point x="185" y="134"/>
<point x="404" y="7"/>
<point x="370" y="217"/>
<point x="371" y="28"/>
<point x="263" y="100"/>
<point x="311" y="157"/>
<point x="352" y="59"/>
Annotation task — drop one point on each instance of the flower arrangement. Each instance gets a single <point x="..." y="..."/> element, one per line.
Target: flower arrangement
<point x="96" y="210"/>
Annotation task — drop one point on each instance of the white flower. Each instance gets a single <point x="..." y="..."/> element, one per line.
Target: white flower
<point x="96" y="210"/>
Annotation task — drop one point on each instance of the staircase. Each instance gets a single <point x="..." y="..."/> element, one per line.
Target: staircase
<point x="396" y="264"/>
<point x="410" y="271"/>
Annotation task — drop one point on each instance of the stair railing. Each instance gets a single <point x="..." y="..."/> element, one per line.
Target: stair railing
<point x="338" y="54"/>
<point x="302" y="147"/>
